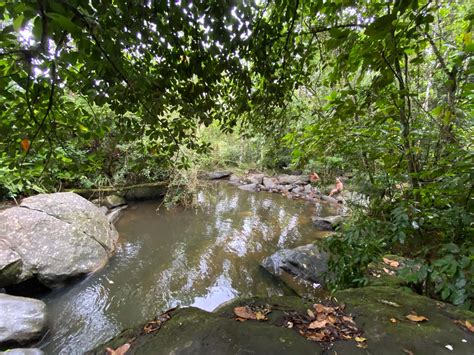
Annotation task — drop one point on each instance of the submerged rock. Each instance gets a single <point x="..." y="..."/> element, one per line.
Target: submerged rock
<point x="53" y="237"/>
<point x="302" y="265"/>
<point x="22" y="319"/>
<point x="328" y="223"/>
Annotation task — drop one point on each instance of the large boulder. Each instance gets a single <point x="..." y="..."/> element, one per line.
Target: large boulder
<point x="22" y="319"/>
<point x="301" y="268"/>
<point x="380" y="312"/>
<point x="53" y="237"/>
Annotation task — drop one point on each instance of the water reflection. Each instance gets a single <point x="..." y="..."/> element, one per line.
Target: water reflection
<point x="201" y="257"/>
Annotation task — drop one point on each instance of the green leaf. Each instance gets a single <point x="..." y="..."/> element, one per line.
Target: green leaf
<point x="64" y="22"/>
<point x="18" y="22"/>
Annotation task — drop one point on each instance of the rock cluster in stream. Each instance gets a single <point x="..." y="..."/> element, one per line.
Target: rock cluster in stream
<point x="47" y="239"/>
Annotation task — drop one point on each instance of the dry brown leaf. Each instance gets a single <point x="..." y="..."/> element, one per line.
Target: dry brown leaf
<point x="317" y="324"/>
<point x="416" y="318"/>
<point x="393" y="320"/>
<point x="469" y="326"/>
<point x="406" y="351"/>
<point x="320" y="308"/>
<point x="260" y="316"/>
<point x="310" y="314"/>
<point x="240" y="319"/>
<point x="244" y="312"/>
<point x="465" y="324"/>
<point x="392" y="263"/>
<point x="317" y="336"/>
<point x="348" y="319"/>
<point x="119" y="351"/>
<point x="332" y="319"/>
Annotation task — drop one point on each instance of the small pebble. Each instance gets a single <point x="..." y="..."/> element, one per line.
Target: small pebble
<point x="449" y="347"/>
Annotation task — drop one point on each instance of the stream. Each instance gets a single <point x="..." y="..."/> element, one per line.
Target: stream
<point x="199" y="257"/>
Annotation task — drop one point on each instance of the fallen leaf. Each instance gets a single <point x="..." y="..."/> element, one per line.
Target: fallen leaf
<point x="387" y="271"/>
<point x="466" y="324"/>
<point x="416" y="318"/>
<point x="260" y="316"/>
<point x="393" y="320"/>
<point x="244" y="312"/>
<point x="360" y="339"/>
<point x="240" y="319"/>
<point x="392" y="263"/>
<point x="320" y="308"/>
<point x="317" y="324"/>
<point x="310" y="314"/>
<point x="348" y="319"/>
<point x="317" y="336"/>
<point x="332" y="319"/>
<point x="409" y="352"/>
<point x="119" y="351"/>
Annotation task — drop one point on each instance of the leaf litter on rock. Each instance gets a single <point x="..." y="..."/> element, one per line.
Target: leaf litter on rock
<point x="325" y="324"/>
<point x="158" y="322"/>
<point x="252" y="312"/>
<point x="466" y="325"/>
<point x="416" y="318"/>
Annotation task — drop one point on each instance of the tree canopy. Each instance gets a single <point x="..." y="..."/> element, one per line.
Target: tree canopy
<point x="383" y="89"/>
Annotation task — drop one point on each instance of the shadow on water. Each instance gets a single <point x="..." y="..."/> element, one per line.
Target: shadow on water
<point x="202" y="258"/>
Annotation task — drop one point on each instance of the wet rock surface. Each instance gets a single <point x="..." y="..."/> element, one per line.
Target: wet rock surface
<point x="53" y="237"/>
<point x="328" y="223"/>
<point x="305" y="264"/>
<point x="22" y="319"/>
<point x="216" y="175"/>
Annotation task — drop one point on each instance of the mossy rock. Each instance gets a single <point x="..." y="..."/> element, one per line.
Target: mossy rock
<point x="374" y="307"/>
<point x="193" y="331"/>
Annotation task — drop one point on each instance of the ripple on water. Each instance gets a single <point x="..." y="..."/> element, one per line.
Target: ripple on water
<point x="199" y="258"/>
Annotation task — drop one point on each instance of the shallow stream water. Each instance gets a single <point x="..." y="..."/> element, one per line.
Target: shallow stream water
<point x="200" y="257"/>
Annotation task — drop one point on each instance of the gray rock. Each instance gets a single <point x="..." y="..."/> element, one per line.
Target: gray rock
<point x="11" y="265"/>
<point x="216" y="175"/>
<point x="328" y="223"/>
<point x="113" y="201"/>
<point x="269" y="183"/>
<point x="23" y="319"/>
<point x="234" y="179"/>
<point x="255" y="178"/>
<point x="293" y="179"/>
<point x="57" y="236"/>
<point x="115" y="214"/>
<point x="22" y="351"/>
<point x="248" y="187"/>
<point x="306" y="263"/>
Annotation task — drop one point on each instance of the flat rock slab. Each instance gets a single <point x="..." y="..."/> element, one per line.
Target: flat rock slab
<point x="293" y="179"/>
<point x="374" y="308"/>
<point x="193" y="331"/>
<point x="248" y="187"/>
<point x="53" y="237"/>
<point x="22" y="319"/>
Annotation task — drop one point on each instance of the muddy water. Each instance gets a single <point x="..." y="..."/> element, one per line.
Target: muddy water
<point x="200" y="258"/>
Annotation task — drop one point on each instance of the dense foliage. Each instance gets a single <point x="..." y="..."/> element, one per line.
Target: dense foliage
<point x="107" y="93"/>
